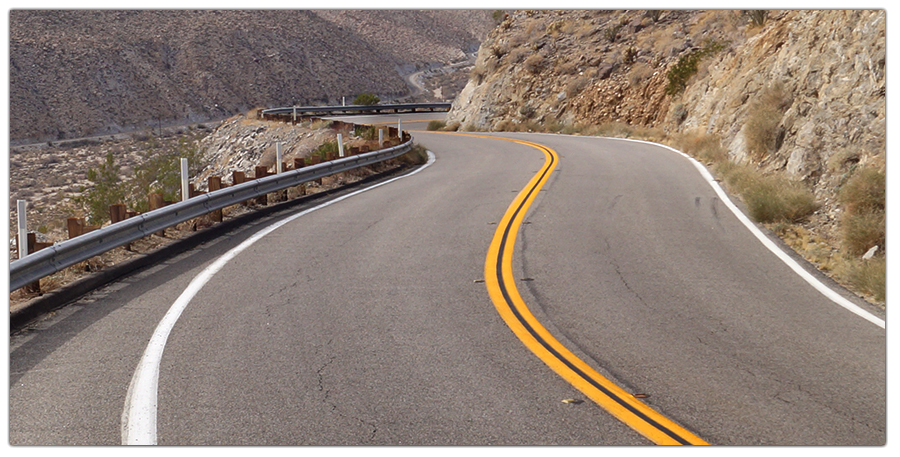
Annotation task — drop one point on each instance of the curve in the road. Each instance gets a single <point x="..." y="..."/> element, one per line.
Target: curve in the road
<point x="500" y="283"/>
<point x="139" y="415"/>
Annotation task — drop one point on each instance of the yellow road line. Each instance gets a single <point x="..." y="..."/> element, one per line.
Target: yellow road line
<point x="405" y="121"/>
<point x="502" y="289"/>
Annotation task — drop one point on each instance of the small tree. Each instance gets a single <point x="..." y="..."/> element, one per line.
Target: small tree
<point x="366" y="98"/>
<point x="106" y="191"/>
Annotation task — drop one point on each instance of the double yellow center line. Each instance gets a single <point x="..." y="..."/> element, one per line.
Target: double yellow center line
<point x="502" y="289"/>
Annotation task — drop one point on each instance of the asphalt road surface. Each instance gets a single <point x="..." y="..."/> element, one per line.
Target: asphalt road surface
<point x="368" y="321"/>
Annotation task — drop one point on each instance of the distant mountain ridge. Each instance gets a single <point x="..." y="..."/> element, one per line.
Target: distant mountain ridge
<point x="77" y="73"/>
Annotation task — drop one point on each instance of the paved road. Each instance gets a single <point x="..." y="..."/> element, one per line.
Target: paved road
<point x="367" y="322"/>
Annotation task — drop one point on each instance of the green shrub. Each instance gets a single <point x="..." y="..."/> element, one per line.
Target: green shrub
<point x="325" y="148"/>
<point x="366" y="99"/>
<point x="161" y="172"/>
<point x="366" y="132"/>
<point x="686" y="66"/>
<point x="106" y="191"/>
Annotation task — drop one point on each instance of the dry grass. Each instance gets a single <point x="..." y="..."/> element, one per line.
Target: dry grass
<point x="704" y="147"/>
<point x="866" y="276"/>
<point x="769" y="198"/>
<point x="761" y="130"/>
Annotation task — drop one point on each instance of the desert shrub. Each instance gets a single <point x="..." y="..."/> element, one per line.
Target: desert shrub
<point x="517" y="55"/>
<point x="106" y="190"/>
<point x="366" y="99"/>
<point x="534" y="64"/>
<point x="704" y="147"/>
<point x="867" y="276"/>
<point x="860" y="232"/>
<point x="864" y="191"/>
<point x="772" y="198"/>
<point x="366" y="132"/>
<point x="687" y="66"/>
<point x="436" y="125"/>
<point x="611" y="33"/>
<point x="757" y="18"/>
<point x="417" y="155"/>
<point x="761" y="131"/>
<point x="161" y="172"/>
<point x="575" y="86"/>
<point x="863" y="200"/>
<point x="328" y="147"/>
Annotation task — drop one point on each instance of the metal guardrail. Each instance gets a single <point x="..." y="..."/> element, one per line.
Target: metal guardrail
<point x="67" y="253"/>
<point x="356" y="109"/>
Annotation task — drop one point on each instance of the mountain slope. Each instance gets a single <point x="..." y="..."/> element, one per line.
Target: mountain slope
<point x="80" y="72"/>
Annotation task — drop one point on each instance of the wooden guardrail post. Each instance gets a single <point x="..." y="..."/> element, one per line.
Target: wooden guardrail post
<point x="117" y="213"/>
<point x="214" y="183"/>
<point x="261" y="172"/>
<point x="33" y="246"/>
<point x="238" y="177"/>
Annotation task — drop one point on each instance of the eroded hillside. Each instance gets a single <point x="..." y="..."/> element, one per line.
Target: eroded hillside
<point x="78" y="73"/>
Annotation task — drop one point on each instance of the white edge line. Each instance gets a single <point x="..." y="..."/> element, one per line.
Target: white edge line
<point x="138" y="426"/>
<point x="767" y="242"/>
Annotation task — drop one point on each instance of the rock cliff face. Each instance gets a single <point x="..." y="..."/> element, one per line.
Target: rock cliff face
<point x="568" y="68"/>
<point x="813" y="82"/>
<point x="78" y="73"/>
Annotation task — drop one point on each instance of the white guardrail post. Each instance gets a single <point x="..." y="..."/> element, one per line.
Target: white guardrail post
<point x="22" y="247"/>
<point x="185" y="190"/>
<point x="278" y="158"/>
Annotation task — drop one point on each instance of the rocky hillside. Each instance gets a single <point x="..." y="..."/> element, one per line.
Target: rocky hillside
<point x="798" y="94"/>
<point x="79" y="73"/>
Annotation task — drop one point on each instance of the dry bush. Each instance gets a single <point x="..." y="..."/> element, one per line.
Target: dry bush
<point x="517" y="55"/>
<point x="866" y="276"/>
<point x="575" y="86"/>
<point x="534" y="64"/>
<point x="771" y="198"/>
<point x="762" y="130"/>
<point x="863" y="222"/>
<point x="703" y="147"/>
